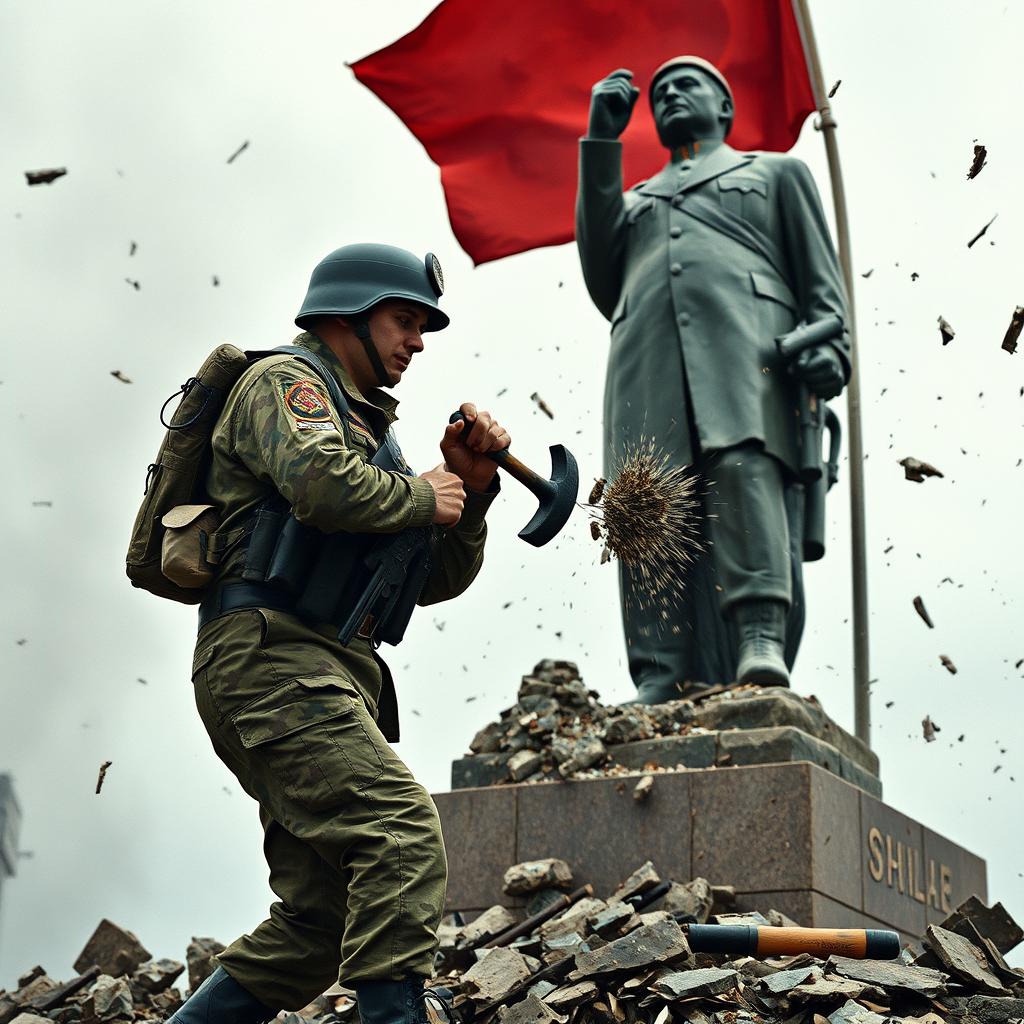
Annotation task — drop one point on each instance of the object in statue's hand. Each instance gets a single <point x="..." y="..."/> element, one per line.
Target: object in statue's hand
<point x="821" y="369"/>
<point x="1013" y="331"/>
<point x="542" y="405"/>
<point x="981" y="232"/>
<point x="649" y="516"/>
<point x="596" y="491"/>
<point x="947" y="332"/>
<point x="947" y="664"/>
<point x="980" y="154"/>
<point x="930" y="729"/>
<point x="923" y="612"/>
<point x="45" y="177"/>
<point x="917" y="470"/>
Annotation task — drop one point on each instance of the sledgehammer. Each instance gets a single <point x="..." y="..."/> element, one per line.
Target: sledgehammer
<point x="557" y="496"/>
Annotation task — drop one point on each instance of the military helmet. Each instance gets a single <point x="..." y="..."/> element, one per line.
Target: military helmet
<point x="701" y="64"/>
<point x="355" y="278"/>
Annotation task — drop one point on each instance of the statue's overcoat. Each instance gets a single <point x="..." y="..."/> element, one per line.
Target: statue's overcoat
<point x="694" y="314"/>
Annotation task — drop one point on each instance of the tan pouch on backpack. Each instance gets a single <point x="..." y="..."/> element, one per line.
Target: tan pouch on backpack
<point x="187" y="532"/>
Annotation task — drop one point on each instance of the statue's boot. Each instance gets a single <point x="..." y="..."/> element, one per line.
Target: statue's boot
<point x="656" y="691"/>
<point x="761" y="626"/>
<point x="221" y="1000"/>
<point x="401" y="1002"/>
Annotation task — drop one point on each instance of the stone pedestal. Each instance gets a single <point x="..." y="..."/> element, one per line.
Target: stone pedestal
<point x="794" y="837"/>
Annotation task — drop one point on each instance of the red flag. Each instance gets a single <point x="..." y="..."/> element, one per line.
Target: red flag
<point x="499" y="94"/>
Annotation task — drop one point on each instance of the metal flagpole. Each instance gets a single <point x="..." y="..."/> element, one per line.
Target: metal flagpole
<point x="861" y="693"/>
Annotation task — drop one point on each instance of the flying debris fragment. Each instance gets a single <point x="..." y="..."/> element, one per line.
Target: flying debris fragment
<point x="42" y="504"/>
<point x="135" y="284"/>
<point x="1013" y="331"/>
<point x="981" y="232"/>
<point x="916" y="470"/>
<point x="923" y="612"/>
<point x="947" y="332"/>
<point x="947" y="664"/>
<point x="118" y="375"/>
<point x="45" y="177"/>
<point x="133" y="248"/>
<point x="595" y="529"/>
<point x="597" y="491"/>
<point x="868" y="273"/>
<point x="835" y="88"/>
<point x="238" y="152"/>
<point x="542" y="405"/>
<point x="980" y="156"/>
<point x="930" y="729"/>
<point x="216" y="281"/>
<point x="102" y="775"/>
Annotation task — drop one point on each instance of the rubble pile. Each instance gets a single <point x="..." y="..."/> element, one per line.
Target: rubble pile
<point x="559" y="729"/>
<point x="118" y="981"/>
<point x="627" y="960"/>
<point x="577" y="959"/>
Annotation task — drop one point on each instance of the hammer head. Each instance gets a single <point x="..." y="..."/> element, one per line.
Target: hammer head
<point x="557" y="499"/>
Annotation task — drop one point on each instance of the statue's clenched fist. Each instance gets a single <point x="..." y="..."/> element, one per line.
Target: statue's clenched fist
<point x="611" y="105"/>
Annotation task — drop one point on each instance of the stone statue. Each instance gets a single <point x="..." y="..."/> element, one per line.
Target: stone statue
<point x="700" y="270"/>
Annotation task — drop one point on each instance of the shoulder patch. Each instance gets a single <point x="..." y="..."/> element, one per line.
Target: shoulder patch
<point x="306" y="402"/>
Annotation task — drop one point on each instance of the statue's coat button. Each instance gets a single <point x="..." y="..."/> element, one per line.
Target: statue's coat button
<point x="675" y="231"/>
<point x="676" y="269"/>
<point x="683" y="319"/>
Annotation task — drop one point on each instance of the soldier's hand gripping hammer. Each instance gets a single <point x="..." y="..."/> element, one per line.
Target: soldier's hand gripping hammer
<point x="557" y="495"/>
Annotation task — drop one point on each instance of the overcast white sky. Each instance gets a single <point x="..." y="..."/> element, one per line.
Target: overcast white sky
<point x="143" y="102"/>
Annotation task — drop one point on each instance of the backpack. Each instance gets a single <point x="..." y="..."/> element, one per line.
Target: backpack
<point x="174" y="525"/>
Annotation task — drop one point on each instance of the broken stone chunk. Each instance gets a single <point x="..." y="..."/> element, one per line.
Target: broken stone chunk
<point x="853" y="1013"/>
<point x="113" y="949"/>
<point x="110" y="999"/>
<point x="573" y="919"/>
<point x="585" y="754"/>
<point x="887" y="974"/>
<point x="567" y="997"/>
<point x="642" y="790"/>
<point x="531" y="875"/>
<point x="644" y="878"/>
<point x="1013" y="331"/>
<point x="662" y="943"/>
<point x="916" y="470"/>
<point x="694" y="899"/>
<point x="199" y="957"/>
<point x="613" y="920"/>
<point x="531" y="1010"/>
<point x="491" y="978"/>
<point x="992" y="922"/>
<point x="490" y="923"/>
<point x="707" y="981"/>
<point x="524" y="763"/>
<point x="157" y="975"/>
<point x="963" y="960"/>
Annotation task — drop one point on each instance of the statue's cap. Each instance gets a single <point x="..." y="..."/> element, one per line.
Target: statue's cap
<point x="694" y="62"/>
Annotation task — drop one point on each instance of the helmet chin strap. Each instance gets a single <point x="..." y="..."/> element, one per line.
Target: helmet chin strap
<point x="361" y="325"/>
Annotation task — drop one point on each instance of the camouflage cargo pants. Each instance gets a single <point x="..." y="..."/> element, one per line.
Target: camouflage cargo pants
<point x="352" y="840"/>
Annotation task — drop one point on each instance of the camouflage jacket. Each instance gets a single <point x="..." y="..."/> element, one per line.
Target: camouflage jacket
<point x="280" y="433"/>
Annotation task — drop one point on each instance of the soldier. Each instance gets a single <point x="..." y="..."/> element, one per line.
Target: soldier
<point x="699" y="269"/>
<point x="352" y="840"/>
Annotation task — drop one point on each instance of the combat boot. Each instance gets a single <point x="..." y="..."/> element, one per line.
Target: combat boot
<point x="221" y="1000"/>
<point x="762" y="638"/>
<point x="401" y="1002"/>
